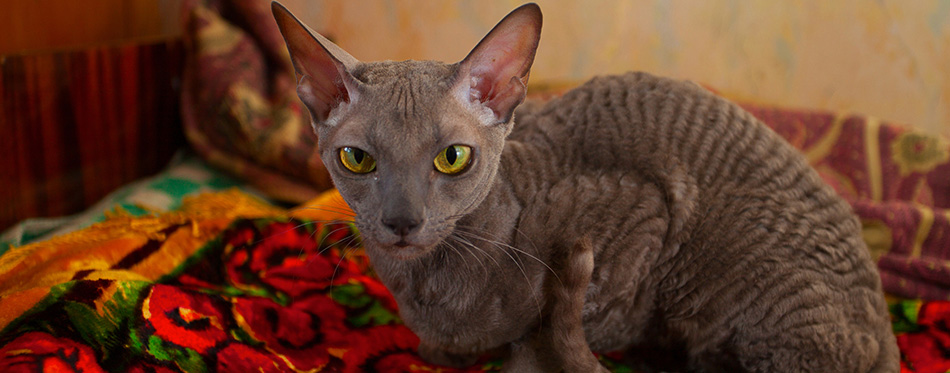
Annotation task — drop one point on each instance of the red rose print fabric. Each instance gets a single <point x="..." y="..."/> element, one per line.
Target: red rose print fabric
<point x="269" y="294"/>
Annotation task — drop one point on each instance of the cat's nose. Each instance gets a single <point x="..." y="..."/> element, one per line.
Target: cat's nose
<point x="401" y="225"/>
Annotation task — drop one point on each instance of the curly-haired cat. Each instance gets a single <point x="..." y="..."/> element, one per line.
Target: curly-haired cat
<point x="634" y="212"/>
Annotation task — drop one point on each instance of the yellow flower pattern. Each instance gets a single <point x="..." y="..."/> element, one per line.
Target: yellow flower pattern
<point x="917" y="152"/>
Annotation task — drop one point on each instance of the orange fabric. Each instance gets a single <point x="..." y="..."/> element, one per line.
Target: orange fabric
<point x="28" y="273"/>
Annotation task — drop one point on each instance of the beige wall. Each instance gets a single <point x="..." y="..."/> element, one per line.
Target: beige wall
<point x="887" y="58"/>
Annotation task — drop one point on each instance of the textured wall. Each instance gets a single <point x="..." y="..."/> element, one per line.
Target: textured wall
<point x="887" y="58"/>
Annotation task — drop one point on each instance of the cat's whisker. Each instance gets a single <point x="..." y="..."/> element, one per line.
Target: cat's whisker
<point x="460" y="253"/>
<point x="457" y="252"/>
<point x="518" y="264"/>
<point x="469" y="246"/>
<point x="325" y="208"/>
<point x="337" y="268"/>
<point x="322" y="239"/>
<point x="302" y="224"/>
<point x="343" y="252"/>
<point x="478" y="237"/>
<point x="300" y="253"/>
<point x="331" y="233"/>
<point x="282" y="232"/>
<point x="477" y="249"/>
<point x="501" y="244"/>
<point x="344" y="243"/>
<point x="527" y="238"/>
<point x="327" y="235"/>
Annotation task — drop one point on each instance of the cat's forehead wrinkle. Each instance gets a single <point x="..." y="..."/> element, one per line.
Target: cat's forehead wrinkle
<point x="404" y="98"/>
<point x="409" y="88"/>
<point x="388" y="72"/>
<point x="396" y="131"/>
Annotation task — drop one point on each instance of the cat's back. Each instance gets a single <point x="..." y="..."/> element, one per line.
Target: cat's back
<point x="752" y="227"/>
<point x="676" y="132"/>
<point x="715" y="156"/>
<point x="616" y="121"/>
<point x="732" y="185"/>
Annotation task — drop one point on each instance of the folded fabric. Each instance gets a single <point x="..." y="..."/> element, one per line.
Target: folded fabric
<point x="186" y="174"/>
<point x="239" y="104"/>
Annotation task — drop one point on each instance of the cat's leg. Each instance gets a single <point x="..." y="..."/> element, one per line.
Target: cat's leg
<point x="568" y="338"/>
<point x="890" y="356"/>
<point x="820" y="336"/>
<point x="561" y="345"/>
<point x="531" y="356"/>
<point x="812" y="348"/>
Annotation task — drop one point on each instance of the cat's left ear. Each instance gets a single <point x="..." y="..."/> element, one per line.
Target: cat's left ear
<point x="494" y="75"/>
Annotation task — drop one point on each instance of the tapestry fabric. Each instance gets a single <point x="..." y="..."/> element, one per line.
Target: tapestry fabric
<point x="185" y="175"/>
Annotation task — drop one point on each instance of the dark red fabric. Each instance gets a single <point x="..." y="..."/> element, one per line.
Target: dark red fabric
<point x="76" y="125"/>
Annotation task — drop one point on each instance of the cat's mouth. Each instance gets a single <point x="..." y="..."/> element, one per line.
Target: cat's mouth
<point x="405" y="251"/>
<point x="405" y="248"/>
<point x="400" y="245"/>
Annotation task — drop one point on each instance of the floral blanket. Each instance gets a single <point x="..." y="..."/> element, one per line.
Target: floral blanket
<point x="229" y="283"/>
<point x="226" y="283"/>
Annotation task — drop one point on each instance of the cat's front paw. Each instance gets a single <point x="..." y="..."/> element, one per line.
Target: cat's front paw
<point x="438" y="356"/>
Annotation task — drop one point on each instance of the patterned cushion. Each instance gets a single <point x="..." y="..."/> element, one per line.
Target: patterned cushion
<point x="239" y="105"/>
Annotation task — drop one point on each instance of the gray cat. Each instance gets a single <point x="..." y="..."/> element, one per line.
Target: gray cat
<point x="634" y="213"/>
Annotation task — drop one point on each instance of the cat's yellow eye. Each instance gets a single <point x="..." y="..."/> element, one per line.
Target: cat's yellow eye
<point x="453" y="159"/>
<point x="356" y="160"/>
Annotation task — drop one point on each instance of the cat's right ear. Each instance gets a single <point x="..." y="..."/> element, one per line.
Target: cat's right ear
<point x="323" y="79"/>
<point x="493" y="77"/>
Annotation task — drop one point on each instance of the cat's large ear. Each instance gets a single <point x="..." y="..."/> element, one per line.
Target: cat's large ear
<point x="494" y="75"/>
<point x="322" y="68"/>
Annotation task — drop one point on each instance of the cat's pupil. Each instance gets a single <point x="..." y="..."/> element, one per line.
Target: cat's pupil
<point x="451" y="155"/>
<point x="358" y="156"/>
